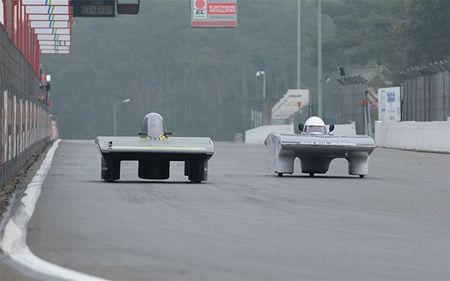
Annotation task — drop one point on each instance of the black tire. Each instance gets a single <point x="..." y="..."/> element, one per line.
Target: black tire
<point x="280" y="175"/>
<point x="110" y="170"/>
<point x="361" y="176"/>
<point x="311" y="174"/>
<point x="197" y="171"/>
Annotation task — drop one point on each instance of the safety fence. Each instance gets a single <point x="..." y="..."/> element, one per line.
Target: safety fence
<point x="426" y="93"/>
<point x="25" y="126"/>
<point x="354" y="107"/>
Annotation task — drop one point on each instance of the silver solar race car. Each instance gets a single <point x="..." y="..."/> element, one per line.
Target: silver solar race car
<point x="154" y="150"/>
<point x="316" y="148"/>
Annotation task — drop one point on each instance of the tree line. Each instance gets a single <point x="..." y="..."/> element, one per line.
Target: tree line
<point x="203" y="80"/>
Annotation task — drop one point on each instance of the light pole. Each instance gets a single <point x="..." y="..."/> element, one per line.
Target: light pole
<point x="319" y="57"/>
<point x="299" y="19"/>
<point x="263" y="74"/>
<point x="115" y="114"/>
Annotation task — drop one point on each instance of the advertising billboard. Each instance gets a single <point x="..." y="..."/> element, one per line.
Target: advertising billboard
<point x="389" y="104"/>
<point x="213" y="13"/>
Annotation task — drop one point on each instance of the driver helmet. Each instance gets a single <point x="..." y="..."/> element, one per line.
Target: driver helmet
<point x="314" y="125"/>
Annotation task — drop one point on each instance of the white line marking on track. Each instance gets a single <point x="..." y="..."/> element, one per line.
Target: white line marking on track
<point x="14" y="244"/>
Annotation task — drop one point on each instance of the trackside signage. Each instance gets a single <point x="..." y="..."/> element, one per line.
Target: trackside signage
<point x="213" y="13"/>
<point x="389" y="104"/>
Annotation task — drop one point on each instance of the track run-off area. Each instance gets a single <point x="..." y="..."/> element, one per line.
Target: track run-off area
<point x="245" y="223"/>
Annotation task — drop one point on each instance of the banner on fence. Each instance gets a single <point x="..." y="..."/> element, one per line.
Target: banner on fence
<point x="389" y="104"/>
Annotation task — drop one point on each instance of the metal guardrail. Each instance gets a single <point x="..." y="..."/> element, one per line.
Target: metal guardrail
<point x="25" y="123"/>
<point x="426" y="93"/>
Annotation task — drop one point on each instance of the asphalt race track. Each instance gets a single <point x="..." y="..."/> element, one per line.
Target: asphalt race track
<point x="245" y="223"/>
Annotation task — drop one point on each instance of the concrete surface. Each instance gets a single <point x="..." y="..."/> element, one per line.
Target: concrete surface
<point x="245" y="223"/>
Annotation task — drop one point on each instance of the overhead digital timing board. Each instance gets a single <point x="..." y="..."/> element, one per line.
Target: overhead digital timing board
<point x="93" y="8"/>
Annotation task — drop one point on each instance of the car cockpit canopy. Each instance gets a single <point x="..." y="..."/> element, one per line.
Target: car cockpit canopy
<point x="153" y="126"/>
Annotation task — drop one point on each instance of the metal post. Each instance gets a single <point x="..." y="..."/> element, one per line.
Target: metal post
<point x="444" y="94"/>
<point x="369" y="120"/>
<point x="264" y="86"/>
<point x="265" y="117"/>
<point x="299" y="53"/>
<point x="115" y="119"/>
<point x="401" y="101"/>
<point x="319" y="57"/>
<point x="361" y="90"/>
<point x="447" y="98"/>
<point x="299" y="44"/>
<point x="115" y="114"/>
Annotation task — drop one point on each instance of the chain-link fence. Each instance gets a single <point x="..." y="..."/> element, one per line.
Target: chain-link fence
<point x="25" y="123"/>
<point x="426" y="93"/>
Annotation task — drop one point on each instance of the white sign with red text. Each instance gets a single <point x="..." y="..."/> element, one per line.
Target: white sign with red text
<point x="214" y="13"/>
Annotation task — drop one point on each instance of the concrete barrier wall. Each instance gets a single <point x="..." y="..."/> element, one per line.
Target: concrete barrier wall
<point x="431" y="136"/>
<point x="344" y="129"/>
<point x="259" y="134"/>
